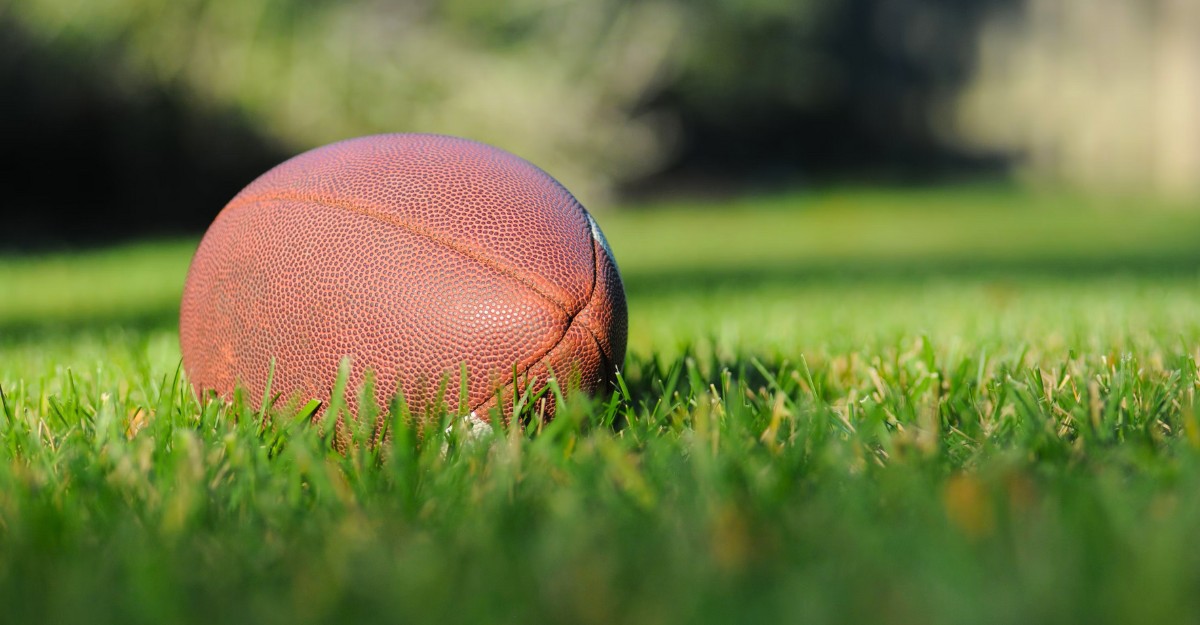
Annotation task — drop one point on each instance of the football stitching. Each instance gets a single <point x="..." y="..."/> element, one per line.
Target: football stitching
<point x="446" y="242"/>
<point x="536" y="361"/>
<point x="570" y="322"/>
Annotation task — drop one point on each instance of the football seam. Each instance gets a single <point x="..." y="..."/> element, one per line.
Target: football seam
<point x="566" y="330"/>
<point x="536" y="361"/>
<point x="606" y="359"/>
<point x="446" y="242"/>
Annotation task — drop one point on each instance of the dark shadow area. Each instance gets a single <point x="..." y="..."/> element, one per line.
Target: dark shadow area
<point x="735" y="280"/>
<point x="855" y="92"/>
<point x="34" y="331"/>
<point x="93" y="155"/>
<point x="867" y="272"/>
<point x="651" y="380"/>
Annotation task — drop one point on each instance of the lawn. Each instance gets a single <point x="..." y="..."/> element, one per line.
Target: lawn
<point x="898" y="406"/>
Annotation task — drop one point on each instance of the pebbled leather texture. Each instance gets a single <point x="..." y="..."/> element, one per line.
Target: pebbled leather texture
<point x="413" y="256"/>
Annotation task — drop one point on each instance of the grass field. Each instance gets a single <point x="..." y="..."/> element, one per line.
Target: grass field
<point x="902" y="406"/>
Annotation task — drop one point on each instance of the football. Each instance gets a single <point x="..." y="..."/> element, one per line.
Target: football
<point x="416" y="258"/>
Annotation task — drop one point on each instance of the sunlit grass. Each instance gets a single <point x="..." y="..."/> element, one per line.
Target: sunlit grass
<point x="829" y="414"/>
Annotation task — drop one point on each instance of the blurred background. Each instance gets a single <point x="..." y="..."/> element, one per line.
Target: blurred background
<point x="957" y="238"/>
<point x="129" y="118"/>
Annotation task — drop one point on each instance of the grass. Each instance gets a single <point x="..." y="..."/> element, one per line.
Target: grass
<point x="902" y="407"/>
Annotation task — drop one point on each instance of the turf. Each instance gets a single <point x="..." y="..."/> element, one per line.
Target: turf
<point x="894" y="406"/>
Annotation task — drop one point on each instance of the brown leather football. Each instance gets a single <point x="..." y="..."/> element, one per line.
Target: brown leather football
<point x="414" y="256"/>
